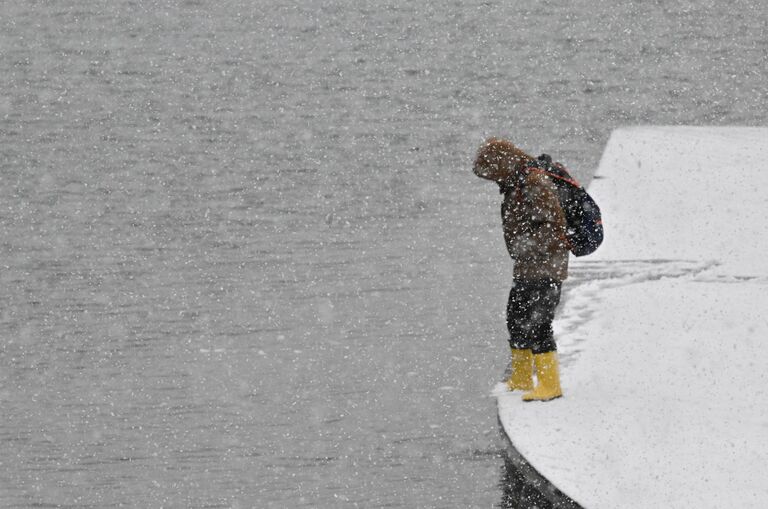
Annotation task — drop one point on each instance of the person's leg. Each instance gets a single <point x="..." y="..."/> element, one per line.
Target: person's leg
<point x="521" y="376"/>
<point x="544" y="299"/>
<point x="544" y="349"/>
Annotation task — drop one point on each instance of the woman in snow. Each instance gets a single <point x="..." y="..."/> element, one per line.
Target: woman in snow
<point x="534" y="230"/>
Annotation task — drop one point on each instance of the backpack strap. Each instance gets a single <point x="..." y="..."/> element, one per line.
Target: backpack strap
<point x="544" y="166"/>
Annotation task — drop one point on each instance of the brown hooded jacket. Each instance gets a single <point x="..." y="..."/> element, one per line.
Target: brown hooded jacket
<point x="534" y="223"/>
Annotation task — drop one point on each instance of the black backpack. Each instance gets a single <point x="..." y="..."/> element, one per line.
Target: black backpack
<point x="585" y="224"/>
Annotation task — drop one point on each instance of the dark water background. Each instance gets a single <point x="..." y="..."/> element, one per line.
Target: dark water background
<point x="243" y="262"/>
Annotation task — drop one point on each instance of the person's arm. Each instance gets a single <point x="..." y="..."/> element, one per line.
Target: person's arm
<point x="518" y="229"/>
<point x="536" y="226"/>
<point x="550" y="222"/>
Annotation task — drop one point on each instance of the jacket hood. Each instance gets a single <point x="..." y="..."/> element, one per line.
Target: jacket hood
<point x="500" y="154"/>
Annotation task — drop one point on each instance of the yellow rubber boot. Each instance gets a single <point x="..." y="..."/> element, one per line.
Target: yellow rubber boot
<point x="548" y="374"/>
<point x="522" y="370"/>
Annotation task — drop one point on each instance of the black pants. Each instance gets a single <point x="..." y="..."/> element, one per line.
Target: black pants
<point x="530" y="311"/>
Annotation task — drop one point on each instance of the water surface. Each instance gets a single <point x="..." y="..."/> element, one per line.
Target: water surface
<point x="243" y="262"/>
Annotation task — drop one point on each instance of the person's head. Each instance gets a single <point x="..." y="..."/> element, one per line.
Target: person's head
<point x="499" y="154"/>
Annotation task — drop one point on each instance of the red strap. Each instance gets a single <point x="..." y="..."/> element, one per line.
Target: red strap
<point x="570" y="180"/>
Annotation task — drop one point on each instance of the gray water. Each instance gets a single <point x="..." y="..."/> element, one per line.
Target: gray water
<point x="243" y="261"/>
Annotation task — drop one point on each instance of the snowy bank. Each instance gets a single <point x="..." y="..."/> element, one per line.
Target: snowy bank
<point x="663" y="332"/>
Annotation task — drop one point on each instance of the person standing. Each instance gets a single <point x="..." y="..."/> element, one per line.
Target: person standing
<point x="534" y="226"/>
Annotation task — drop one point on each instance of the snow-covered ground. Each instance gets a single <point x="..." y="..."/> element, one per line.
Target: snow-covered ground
<point x="666" y="399"/>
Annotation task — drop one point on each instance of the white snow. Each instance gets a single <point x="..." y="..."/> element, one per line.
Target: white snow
<point x="664" y="331"/>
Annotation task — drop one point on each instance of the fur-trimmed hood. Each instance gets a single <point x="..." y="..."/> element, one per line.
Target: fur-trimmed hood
<point x="497" y="159"/>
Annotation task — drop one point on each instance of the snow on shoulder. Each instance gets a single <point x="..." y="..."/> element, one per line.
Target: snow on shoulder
<point x="663" y="330"/>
